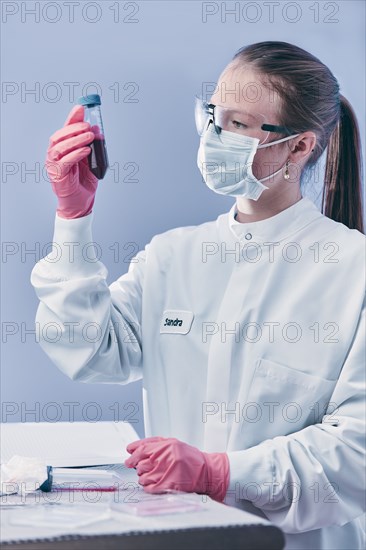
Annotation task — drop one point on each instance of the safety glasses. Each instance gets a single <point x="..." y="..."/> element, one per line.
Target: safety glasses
<point x="237" y="121"/>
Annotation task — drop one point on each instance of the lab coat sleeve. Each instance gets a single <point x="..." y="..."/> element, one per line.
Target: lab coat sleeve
<point x="89" y="330"/>
<point x="315" y="477"/>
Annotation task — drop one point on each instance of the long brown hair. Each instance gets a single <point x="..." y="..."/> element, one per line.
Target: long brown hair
<point x="310" y="100"/>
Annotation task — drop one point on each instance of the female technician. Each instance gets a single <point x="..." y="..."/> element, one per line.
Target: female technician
<point x="248" y="330"/>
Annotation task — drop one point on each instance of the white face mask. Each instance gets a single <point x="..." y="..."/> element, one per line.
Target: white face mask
<point x="225" y="162"/>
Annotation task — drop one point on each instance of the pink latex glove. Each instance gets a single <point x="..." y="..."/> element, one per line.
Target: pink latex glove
<point x="167" y="463"/>
<point x="67" y="166"/>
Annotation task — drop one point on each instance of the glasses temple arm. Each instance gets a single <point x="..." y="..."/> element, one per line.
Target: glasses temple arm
<point x="277" y="129"/>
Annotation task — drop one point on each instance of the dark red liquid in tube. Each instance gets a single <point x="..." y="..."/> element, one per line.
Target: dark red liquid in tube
<point x="98" y="159"/>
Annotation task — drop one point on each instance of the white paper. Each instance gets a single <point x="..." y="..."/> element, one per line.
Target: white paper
<point x="67" y="444"/>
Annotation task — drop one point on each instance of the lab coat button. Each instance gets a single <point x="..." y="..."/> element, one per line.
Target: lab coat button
<point x="248" y="236"/>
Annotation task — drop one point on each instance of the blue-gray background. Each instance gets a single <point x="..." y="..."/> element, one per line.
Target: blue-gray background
<point x="148" y="59"/>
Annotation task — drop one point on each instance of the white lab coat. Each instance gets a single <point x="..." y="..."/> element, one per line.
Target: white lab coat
<point x="250" y="339"/>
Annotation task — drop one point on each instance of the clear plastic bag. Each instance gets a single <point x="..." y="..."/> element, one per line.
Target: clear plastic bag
<point x="145" y="504"/>
<point x="66" y="516"/>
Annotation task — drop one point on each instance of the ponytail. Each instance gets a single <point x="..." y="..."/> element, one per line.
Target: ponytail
<point x="342" y="192"/>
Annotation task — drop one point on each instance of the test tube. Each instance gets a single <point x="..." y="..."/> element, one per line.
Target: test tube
<point x="98" y="158"/>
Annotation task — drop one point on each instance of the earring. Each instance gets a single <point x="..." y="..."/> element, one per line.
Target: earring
<point x="287" y="175"/>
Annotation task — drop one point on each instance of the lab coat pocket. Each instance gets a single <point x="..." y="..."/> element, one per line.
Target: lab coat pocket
<point x="282" y="400"/>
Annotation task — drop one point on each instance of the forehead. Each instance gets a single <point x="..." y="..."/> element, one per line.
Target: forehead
<point x="242" y="88"/>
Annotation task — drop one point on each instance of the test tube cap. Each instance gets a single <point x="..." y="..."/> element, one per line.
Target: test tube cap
<point x="93" y="99"/>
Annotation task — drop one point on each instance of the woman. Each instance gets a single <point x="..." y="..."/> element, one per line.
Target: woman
<point x="248" y="331"/>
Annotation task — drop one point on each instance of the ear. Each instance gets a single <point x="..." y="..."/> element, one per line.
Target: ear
<point x="303" y="145"/>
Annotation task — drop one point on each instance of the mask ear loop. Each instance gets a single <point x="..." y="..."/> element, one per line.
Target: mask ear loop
<point x="287" y="138"/>
<point x="277" y="141"/>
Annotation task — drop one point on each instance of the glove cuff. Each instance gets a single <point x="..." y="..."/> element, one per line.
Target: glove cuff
<point x="65" y="210"/>
<point x="218" y="475"/>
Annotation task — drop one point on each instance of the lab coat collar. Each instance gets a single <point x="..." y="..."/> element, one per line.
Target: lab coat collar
<point x="277" y="227"/>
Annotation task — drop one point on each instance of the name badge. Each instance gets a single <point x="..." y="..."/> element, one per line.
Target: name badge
<point x="176" y="321"/>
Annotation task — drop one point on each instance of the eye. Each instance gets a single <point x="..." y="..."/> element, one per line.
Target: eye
<point x="239" y="124"/>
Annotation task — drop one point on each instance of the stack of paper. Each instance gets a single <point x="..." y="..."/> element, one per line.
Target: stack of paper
<point x="68" y="444"/>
